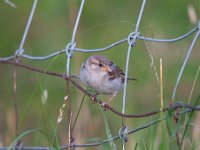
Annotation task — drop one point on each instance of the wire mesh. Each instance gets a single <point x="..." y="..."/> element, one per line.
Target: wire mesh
<point x="71" y="47"/>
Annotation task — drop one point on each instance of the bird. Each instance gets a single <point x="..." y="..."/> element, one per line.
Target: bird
<point x="102" y="75"/>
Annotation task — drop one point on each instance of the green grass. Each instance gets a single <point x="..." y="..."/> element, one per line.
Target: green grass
<point x="51" y="30"/>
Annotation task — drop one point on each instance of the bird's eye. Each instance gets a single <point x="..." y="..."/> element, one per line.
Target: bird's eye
<point x="100" y="65"/>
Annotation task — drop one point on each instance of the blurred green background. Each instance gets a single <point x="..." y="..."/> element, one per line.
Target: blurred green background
<point x="102" y="23"/>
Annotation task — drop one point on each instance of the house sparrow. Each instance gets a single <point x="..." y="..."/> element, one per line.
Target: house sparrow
<point x="102" y="75"/>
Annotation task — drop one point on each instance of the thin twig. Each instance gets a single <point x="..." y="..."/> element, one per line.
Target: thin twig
<point x="69" y="51"/>
<point x="104" y="141"/>
<point x="79" y="110"/>
<point x="15" y="100"/>
<point x="69" y="113"/>
<point x="96" y="100"/>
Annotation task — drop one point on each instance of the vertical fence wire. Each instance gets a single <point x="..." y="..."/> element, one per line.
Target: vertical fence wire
<point x="184" y="63"/>
<point x="70" y="47"/>
<point x="20" y="51"/>
<point x="131" y="42"/>
<point x="17" y="54"/>
<point x="69" y="51"/>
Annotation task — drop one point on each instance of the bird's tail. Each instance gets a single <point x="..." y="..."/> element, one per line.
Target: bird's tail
<point x="131" y="78"/>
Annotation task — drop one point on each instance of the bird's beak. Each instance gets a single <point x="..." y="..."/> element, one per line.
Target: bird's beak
<point x="106" y="69"/>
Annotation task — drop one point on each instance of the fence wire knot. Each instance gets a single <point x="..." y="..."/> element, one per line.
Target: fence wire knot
<point x="69" y="49"/>
<point x="123" y="132"/>
<point x="19" y="52"/>
<point x="132" y="38"/>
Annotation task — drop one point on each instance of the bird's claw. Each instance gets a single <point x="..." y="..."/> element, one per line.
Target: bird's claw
<point x="104" y="105"/>
<point x="94" y="99"/>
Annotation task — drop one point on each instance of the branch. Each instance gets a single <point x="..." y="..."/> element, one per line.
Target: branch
<point x="93" y="98"/>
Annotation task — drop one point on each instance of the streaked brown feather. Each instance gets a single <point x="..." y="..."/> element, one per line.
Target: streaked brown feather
<point x="113" y="71"/>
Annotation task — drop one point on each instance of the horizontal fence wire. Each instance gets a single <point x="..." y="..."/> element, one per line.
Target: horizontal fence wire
<point x="188" y="108"/>
<point x="26" y="56"/>
<point x="98" y="143"/>
<point x="71" y="47"/>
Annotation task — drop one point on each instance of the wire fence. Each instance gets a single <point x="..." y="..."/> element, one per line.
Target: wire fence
<point x="71" y="48"/>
